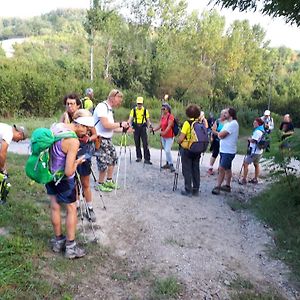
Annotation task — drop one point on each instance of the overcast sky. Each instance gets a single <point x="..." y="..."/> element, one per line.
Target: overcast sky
<point x="277" y="31"/>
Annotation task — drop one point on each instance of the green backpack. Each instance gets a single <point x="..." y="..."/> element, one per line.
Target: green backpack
<point x="38" y="164"/>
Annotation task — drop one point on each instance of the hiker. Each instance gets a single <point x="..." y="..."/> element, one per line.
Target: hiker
<point x="7" y="134"/>
<point x="63" y="156"/>
<point x="105" y="127"/>
<point x="167" y="136"/>
<point x="189" y="160"/>
<point x="203" y="119"/>
<point x="286" y="127"/>
<point x="210" y="122"/>
<point x="268" y="121"/>
<point x="215" y="141"/>
<point x="86" y="146"/>
<point x="228" y="147"/>
<point x="87" y="101"/>
<point x="140" y="119"/>
<point x="254" y="153"/>
<point x="72" y="103"/>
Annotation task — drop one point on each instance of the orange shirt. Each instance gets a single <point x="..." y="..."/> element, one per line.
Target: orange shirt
<point x="165" y="119"/>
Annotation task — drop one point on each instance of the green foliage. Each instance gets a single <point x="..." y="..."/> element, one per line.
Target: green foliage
<point x="166" y="288"/>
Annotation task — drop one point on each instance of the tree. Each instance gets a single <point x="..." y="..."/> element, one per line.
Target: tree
<point x="290" y="9"/>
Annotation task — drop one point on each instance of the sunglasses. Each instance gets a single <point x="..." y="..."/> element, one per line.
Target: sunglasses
<point x="163" y="108"/>
<point x="118" y="92"/>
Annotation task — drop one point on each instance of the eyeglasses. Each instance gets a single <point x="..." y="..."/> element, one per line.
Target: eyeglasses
<point x="163" y="108"/>
<point x="70" y="103"/>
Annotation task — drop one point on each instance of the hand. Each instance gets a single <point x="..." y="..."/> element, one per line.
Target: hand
<point x="80" y="160"/>
<point x="124" y="124"/>
<point x="85" y="139"/>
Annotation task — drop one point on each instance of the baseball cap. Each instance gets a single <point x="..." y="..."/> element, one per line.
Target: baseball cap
<point x="89" y="91"/>
<point x="267" y="113"/>
<point x="167" y="106"/>
<point x="139" y="100"/>
<point x="23" y="130"/>
<point x="85" y="121"/>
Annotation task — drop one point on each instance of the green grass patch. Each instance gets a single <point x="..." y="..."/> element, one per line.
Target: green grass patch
<point x="166" y="288"/>
<point x="279" y="207"/>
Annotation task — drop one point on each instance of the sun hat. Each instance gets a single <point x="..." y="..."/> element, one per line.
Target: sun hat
<point x="267" y="113"/>
<point x="85" y="121"/>
<point x="139" y="100"/>
<point x="23" y="130"/>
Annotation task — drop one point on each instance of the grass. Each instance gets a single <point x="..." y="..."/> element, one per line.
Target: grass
<point x="28" y="270"/>
<point x="166" y="288"/>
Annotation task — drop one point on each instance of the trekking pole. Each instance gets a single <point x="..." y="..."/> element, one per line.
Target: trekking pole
<point x="4" y="188"/>
<point x="84" y="210"/>
<point x="119" y="162"/>
<point x="125" y="159"/>
<point x="176" y="171"/>
<point x="160" y="159"/>
<point x="98" y="188"/>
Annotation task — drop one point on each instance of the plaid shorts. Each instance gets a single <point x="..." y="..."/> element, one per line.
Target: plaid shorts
<point x="107" y="155"/>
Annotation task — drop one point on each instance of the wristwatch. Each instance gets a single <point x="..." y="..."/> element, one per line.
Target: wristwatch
<point x="120" y="124"/>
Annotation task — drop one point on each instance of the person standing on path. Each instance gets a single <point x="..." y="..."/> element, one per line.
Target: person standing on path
<point x="63" y="155"/>
<point x="167" y="136"/>
<point x="228" y="147"/>
<point x="254" y="153"/>
<point x="105" y="127"/>
<point x="140" y="119"/>
<point x="72" y="103"/>
<point x="268" y="121"/>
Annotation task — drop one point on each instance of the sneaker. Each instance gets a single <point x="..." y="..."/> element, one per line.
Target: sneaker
<point x="138" y="160"/>
<point x="185" y="193"/>
<point x="147" y="162"/>
<point x="111" y="185"/>
<point x="225" y="188"/>
<point x="195" y="193"/>
<point x="166" y="166"/>
<point x="103" y="188"/>
<point x="58" y="245"/>
<point x="172" y="168"/>
<point x="242" y="181"/>
<point x="216" y="190"/>
<point x="73" y="251"/>
<point x="90" y="214"/>
<point x="210" y="171"/>
<point x="253" y="180"/>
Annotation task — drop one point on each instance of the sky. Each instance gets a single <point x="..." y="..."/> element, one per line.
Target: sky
<point x="277" y="31"/>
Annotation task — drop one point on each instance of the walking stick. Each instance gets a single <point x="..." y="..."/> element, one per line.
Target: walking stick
<point x="98" y="188"/>
<point x="160" y="160"/>
<point x="119" y="161"/>
<point x="176" y="171"/>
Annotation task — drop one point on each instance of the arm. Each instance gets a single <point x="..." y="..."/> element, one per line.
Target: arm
<point x="70" y="147"/>
<point x="3" y="153"/>
<point x="223" y="134"/>
<point x="64" y="118"/>
<point x="214" y="128"/>
<point x="107" y="125"/>
<point x="181" y="137"/>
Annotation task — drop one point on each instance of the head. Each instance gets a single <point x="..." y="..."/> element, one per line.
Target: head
<point x="89" y="92"/>
<point x="193" y="111"/>
<point x="287" y="118"/>
<point x="202" y="115"/>
<point x="19" y="133"/>
<point x="223" y="114"/>
<point x="231" y="114"/>
<point x="139" y="102"/>
<point x="166" y="97"/>
<point x="72" y="103"/>
<point x="165" y="108"/>
<point x="83" y="120"/>
<point x="267" y="113"/>
<point x="258" y="122"/>
<point x="115" y="98"/>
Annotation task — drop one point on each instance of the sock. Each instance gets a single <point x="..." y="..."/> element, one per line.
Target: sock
<point x="60" y="237"/>
<point x="90" y="206"/>
<point x="69" y="243"/>
<point x="109" y="179"/>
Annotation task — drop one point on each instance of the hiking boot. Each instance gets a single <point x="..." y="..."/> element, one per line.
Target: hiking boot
<point x="166" y="166"/>
<point x="103" y="188"/>
<point x="172" y="168"/>
<point x="195" y="193"/>
<point x="216" y="190"/>
<point x="253" y="180"/>
<point x="73" y="251"/>
<point x="225" y="188"/>
<point x="138" y="160"/>
<point x="147" y="162"/>
<point x="186" y="193"/>
<point x="58" y="245"/>
<point x="90" y="214"/>
<point x="210" y="171"/>
<point x="111" y="185"/>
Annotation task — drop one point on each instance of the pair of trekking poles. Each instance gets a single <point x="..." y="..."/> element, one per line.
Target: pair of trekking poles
<point x="4" y="188"/>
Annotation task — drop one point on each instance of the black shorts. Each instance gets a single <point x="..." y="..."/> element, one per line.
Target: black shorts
<point x="85" y="169"/>
<point x="64" y="191"/>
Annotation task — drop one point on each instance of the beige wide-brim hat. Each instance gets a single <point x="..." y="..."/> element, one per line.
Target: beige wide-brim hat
<point x="85" y="121"/>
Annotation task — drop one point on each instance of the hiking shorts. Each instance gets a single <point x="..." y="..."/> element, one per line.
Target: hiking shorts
<point x="254" y="158"/>
<point x="226" y="160"/>
<point x="107" y="155"/>
<point x="64" y="191"/>
<point x="85" y="169"/>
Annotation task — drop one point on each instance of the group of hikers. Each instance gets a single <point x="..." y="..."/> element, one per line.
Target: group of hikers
<point x="94" y="128"/>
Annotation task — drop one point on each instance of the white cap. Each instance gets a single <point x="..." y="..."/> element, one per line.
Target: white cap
<point x="85" y="121"/>
<point x="267" y="113"/>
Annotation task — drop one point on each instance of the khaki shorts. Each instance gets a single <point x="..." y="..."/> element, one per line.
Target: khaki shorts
<point x="254" y="158"/>
<point x="107" y="155"/>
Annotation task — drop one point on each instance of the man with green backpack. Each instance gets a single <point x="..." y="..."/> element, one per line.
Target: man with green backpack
<point x="60" y="145"/>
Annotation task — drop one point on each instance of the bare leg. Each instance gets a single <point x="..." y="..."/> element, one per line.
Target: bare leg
<point x="257" y="171"/>
<point x="221" y="176"/>
<point x="110" y="171"/>
<point x="102" y="175"/>
<point x="245" y="171"/>
<point x="212" y="161"/>
<point x="228" y="176"/>
<point x="85" y="180"/>
<point x="55" y="216"/>
<point x="71" y="221"/>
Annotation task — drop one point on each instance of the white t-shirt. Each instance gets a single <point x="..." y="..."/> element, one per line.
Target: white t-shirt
<point x="257" y="134"/>
<point x="6" y="133"/>
<point x="103" y="110"/>
<point x="229" y="143"/>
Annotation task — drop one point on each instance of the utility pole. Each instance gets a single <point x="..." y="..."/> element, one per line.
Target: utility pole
<point x="91" y="37"/>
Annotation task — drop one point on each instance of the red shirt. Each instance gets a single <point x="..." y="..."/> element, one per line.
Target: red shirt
<point x="165" y="119"/>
